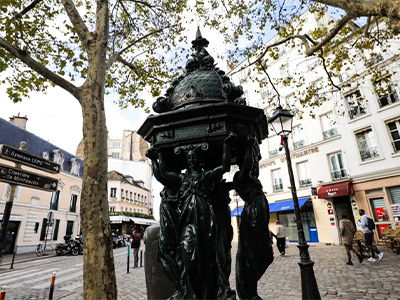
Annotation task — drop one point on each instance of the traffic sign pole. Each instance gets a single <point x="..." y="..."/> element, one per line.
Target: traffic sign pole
<point x="8" y="208"/>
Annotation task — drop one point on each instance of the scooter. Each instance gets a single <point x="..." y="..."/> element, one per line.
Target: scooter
<point x="69" y="247"/>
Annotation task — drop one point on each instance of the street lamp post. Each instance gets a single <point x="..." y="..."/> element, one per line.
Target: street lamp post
<point x="281" y="122"/>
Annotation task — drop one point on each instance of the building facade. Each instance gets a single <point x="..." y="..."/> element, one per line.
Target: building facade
<point x="345" y="153"/>
<point x="29" y="224"/>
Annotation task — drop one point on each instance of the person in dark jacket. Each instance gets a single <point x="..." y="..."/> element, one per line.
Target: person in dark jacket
<point x="135" y="247"/>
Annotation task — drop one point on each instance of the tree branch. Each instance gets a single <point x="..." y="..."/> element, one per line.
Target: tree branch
<point x="76" y="20"/>
<point x="37" y="67"/>
<point x="326" y="71"/>
<point x="331" y="35"/>
<point x="27" y="9"/>
<point x="134" y="68"/>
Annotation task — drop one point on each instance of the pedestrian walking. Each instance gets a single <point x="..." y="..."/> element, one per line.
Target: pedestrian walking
<point x="280" y="238"/>
<point x="347" y="230"/>
<point x="368" y="235"/>
<point x="135" y="247"/>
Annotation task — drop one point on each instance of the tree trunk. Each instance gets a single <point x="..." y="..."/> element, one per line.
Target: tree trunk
<point x="98" y="268"/>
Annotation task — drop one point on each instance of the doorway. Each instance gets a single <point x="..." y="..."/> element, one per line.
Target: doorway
<point x="342" y="206"/>
<point x="11" y="237"/>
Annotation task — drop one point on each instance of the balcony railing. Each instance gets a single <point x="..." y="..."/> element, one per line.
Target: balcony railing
<point x="374" y="60"/>
<point x="305" y="182"/>
<point x="277" y="187"/>
<point x="356" y="111"/>
<point x="330" y="133"/>
<point x="369" y="153"/>
<point x="337" y="175"/>
<point x="299" y="144"/>
<point x="273" y="153"/>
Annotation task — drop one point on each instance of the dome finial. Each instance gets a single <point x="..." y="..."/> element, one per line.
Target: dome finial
<point x="200" y="42"/>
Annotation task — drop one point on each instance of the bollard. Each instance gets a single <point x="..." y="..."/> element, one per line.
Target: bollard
<point x="53" y="279"/>
<point x="12" y="262"/>
<point x="129" y="251"/>
<point x="141" y="258"/>
<point x="3" y="293"/>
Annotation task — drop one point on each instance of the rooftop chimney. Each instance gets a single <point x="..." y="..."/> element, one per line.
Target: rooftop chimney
<point x="19" y="120"/>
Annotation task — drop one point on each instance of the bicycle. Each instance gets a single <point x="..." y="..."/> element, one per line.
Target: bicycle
<point x="43" y="249"/>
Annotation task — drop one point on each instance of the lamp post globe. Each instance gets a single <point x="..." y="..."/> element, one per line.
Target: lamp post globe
<point x="281" y="121"/>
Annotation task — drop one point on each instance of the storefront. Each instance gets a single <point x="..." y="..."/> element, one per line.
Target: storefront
<point x="381" y="200"/>
<point x="284" y="212"/>
<point x="287" y="218"/>
<point x="125" y="225"/>
<point x="339" y="201"/>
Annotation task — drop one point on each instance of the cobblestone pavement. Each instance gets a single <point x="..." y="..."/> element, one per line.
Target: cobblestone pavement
<point x="336" y="280"/>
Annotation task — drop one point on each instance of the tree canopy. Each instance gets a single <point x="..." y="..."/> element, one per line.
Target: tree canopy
<point x="346" y="33"/>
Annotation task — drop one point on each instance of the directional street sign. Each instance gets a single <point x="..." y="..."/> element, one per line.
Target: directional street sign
<point x="22" y="157"/>
<point x="28" y="179"/>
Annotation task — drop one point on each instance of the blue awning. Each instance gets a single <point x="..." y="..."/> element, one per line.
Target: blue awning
<point x="237" y="212"/>
<point x="285" y="205"/>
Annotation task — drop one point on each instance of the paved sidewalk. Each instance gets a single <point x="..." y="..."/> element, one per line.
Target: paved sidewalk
<point x="378" y="280"/>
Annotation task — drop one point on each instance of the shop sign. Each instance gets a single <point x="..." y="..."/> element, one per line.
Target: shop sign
<point x="22" y="157"/>
<point x="380" y="213"/>
<point x="395" y="210"/>
<point x="27" y="179"/>
<point x="330" y="211"/>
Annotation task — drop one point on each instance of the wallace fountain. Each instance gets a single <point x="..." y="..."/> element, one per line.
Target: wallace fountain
<point x="203" y="126"/>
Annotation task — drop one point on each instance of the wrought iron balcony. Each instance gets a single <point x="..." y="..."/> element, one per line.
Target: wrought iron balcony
<point x="299" y="144"/>
<point x="337" y="175"/>
<point x="278" y="187"/>
<point x="305" y="182"/>
<point x="369" y="153"/>
<point x="330" y="133"/>
<point x="273" y="153"/>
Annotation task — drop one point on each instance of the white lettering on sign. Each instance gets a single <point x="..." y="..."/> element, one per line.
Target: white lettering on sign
<point x="332" y="191"/>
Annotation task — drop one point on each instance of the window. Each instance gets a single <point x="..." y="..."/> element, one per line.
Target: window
<point x="285" y="71"/>
<point x="274" y="143"/>
<point x="36" y="227"/>
<point x="379" y="210"/>
<point x="394" y="129"/>
<point x="277" y="180"/>
<point x="304" y="174"/>
<point x="394" y="194"/>
<point x="265" y="90"/>
<point x="116" y="144"/>
<point x="130" y="196"/>
<point x="54" y="200"/>
<point x="355" y="104"/>
<point x="55" y="230"/>
<point x="386" y="92"/>
<point x="337" y="166"/>
<point x="44" y="229"/>
<point x="366" y="144"/>
<point x="328" y="126"/>
<point x="74" y="201"/>
<point x="122" y="193"/>
<point x="112" y="208"/>
<point x="127" y="195"/>
<point x="113" y="192"/>
<point x="115" y="154"/>
<point x="70" y="228"/>
<point x="298" y="137"/>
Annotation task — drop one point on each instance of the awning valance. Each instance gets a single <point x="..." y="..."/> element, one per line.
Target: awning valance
<point x="336" y="190"/>
<point x="285" y="205"/>
<point x="273" y="207"/>
<point x="139" y="221"/>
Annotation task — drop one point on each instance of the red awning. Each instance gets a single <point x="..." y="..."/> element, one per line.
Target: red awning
<point x="336" y="190"/>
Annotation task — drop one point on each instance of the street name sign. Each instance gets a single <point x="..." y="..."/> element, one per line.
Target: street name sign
<point x="22" y="157"/>
<point x="28" y="179"/>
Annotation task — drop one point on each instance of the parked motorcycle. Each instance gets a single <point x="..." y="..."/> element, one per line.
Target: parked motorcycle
<point x="69" y="247"/>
